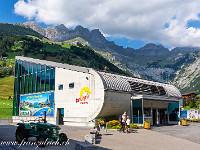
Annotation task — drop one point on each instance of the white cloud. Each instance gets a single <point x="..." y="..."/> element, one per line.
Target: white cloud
<point x="133" y="19"/>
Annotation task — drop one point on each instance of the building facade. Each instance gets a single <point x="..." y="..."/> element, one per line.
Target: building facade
<point x="75" y="95"/>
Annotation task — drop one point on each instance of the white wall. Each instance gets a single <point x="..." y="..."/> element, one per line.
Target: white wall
<point x="66" y="98"/>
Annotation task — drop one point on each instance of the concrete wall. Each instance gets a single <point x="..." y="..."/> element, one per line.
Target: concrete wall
<point x="115" y="103"/>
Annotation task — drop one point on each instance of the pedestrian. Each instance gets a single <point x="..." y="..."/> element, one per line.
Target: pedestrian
<point x="123" y="121"/>
<point x="99" y="127"/>
<point x="128" y="124"/>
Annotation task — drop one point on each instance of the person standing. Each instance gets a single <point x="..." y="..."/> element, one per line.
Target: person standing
<point x="99" y="127"/>
<point x="123" y="121"/>
<point x="128" y="124"/>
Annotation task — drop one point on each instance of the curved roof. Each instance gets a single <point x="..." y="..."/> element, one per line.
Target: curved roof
<point x="136" y="85"/>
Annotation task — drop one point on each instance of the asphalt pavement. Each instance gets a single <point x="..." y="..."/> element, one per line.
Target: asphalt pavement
<point x="158" y="138"/>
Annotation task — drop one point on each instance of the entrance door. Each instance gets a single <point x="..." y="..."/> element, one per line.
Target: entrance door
<point x="162" y="116"/>
<point x="154" y="116"/>
<point x="60" y="116"/>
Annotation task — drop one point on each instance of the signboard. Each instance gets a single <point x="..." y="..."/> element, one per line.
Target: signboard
<point x="192" y="114"/>
<point x="35" y="105"/>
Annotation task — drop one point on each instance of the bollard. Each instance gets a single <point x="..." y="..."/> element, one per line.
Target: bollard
<point x="106" y="127"/>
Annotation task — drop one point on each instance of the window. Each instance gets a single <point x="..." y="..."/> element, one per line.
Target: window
<point x="60" y="87"/>
<point x="147" y="112"/>
<point x="71" y="85"/>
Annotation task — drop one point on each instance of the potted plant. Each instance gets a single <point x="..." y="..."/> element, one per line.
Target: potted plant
<point x="147" y="124"/>
<point x="184" y="122"/>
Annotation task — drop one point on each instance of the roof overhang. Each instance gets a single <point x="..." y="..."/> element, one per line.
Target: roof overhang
<point x="156" y="98"/>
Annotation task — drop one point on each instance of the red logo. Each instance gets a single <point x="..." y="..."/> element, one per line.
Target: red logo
<point x="84" y="95"/>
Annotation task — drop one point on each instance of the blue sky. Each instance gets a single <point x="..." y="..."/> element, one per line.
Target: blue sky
<point x="170" y="23"/>
<point x="8" y="15"/>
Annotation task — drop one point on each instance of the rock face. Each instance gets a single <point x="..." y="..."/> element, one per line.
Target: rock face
<point x="153" y="62"/>
<point x="61" y="33"/>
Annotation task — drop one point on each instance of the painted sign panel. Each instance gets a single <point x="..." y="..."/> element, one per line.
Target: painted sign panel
<point x="192" y="114"/>
<point x="35" y="105"/>
<point x="84" y="96"/>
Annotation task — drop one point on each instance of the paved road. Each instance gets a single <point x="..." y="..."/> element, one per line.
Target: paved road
<point x="159" y="138"/>
<point x="191" y="132"/>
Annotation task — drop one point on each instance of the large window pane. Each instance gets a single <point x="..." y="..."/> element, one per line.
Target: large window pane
<point x="14" y="105"/>
<point x="30" y="82"/>
<point x="26" y="84"/>
<point x="52" y="81"/>
<point x="19" y="69"/>
<point x="15" y="86"/>
<point x="43" y="77"/>
<point x="23" y="68"/>
<point x="38" y="77"/>
<point x="47" y="78"/>
<point x="22" y="84"/>
<point x="17" y="105"/>
<point x="16" y="68"/>
<point x="34" y="77"/>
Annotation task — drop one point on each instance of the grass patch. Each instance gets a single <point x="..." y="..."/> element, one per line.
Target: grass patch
<point x="6" y="109"/>
<point x="66" y="46"/>
<point x="6" y="87"/>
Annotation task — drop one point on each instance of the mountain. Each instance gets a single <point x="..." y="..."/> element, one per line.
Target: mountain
<point x="23" y="42"/>
<point x="153" y="62"/>
<point x="152" y="50"/>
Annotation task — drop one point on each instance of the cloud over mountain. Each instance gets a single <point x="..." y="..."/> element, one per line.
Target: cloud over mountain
<point x="163" y="21"/>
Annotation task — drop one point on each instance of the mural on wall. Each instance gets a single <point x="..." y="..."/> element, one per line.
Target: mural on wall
<point x="35" y="105"/>
<point x="84" y="96"/>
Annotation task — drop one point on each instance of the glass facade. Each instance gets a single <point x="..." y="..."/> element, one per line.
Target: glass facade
<point x="31" y="78"/>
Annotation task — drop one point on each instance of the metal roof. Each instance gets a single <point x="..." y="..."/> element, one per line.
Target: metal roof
<point x="53" y="64"/>
<point x="138" y="86"/>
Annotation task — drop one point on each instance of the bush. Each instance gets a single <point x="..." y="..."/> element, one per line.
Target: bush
<point x="135" y="126"/>
<point x="114" y="124"/>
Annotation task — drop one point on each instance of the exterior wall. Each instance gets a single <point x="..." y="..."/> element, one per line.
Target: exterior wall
<point x="67" y="98"/>
<point x="115" y="103"/>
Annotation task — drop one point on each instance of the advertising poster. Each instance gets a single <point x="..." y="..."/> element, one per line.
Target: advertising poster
<point x="183" y="114"/>
<point x="192" y="114"/>
<point x="35" y="105"/>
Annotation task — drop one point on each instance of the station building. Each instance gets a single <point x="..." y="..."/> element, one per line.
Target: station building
<point x="73" y="95"/>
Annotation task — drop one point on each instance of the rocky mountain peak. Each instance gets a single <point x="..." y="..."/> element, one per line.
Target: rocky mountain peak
<point x="152" y="50"/>
<point x="61" y="27"/>
<point x="29" y="23"/>
<point x="152" y="46"/>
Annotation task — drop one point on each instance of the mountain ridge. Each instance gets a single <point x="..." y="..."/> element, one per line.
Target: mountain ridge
<point x="153" y="62"/>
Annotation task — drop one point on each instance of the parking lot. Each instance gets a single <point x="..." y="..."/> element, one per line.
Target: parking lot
<point x="158" y="138"/>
